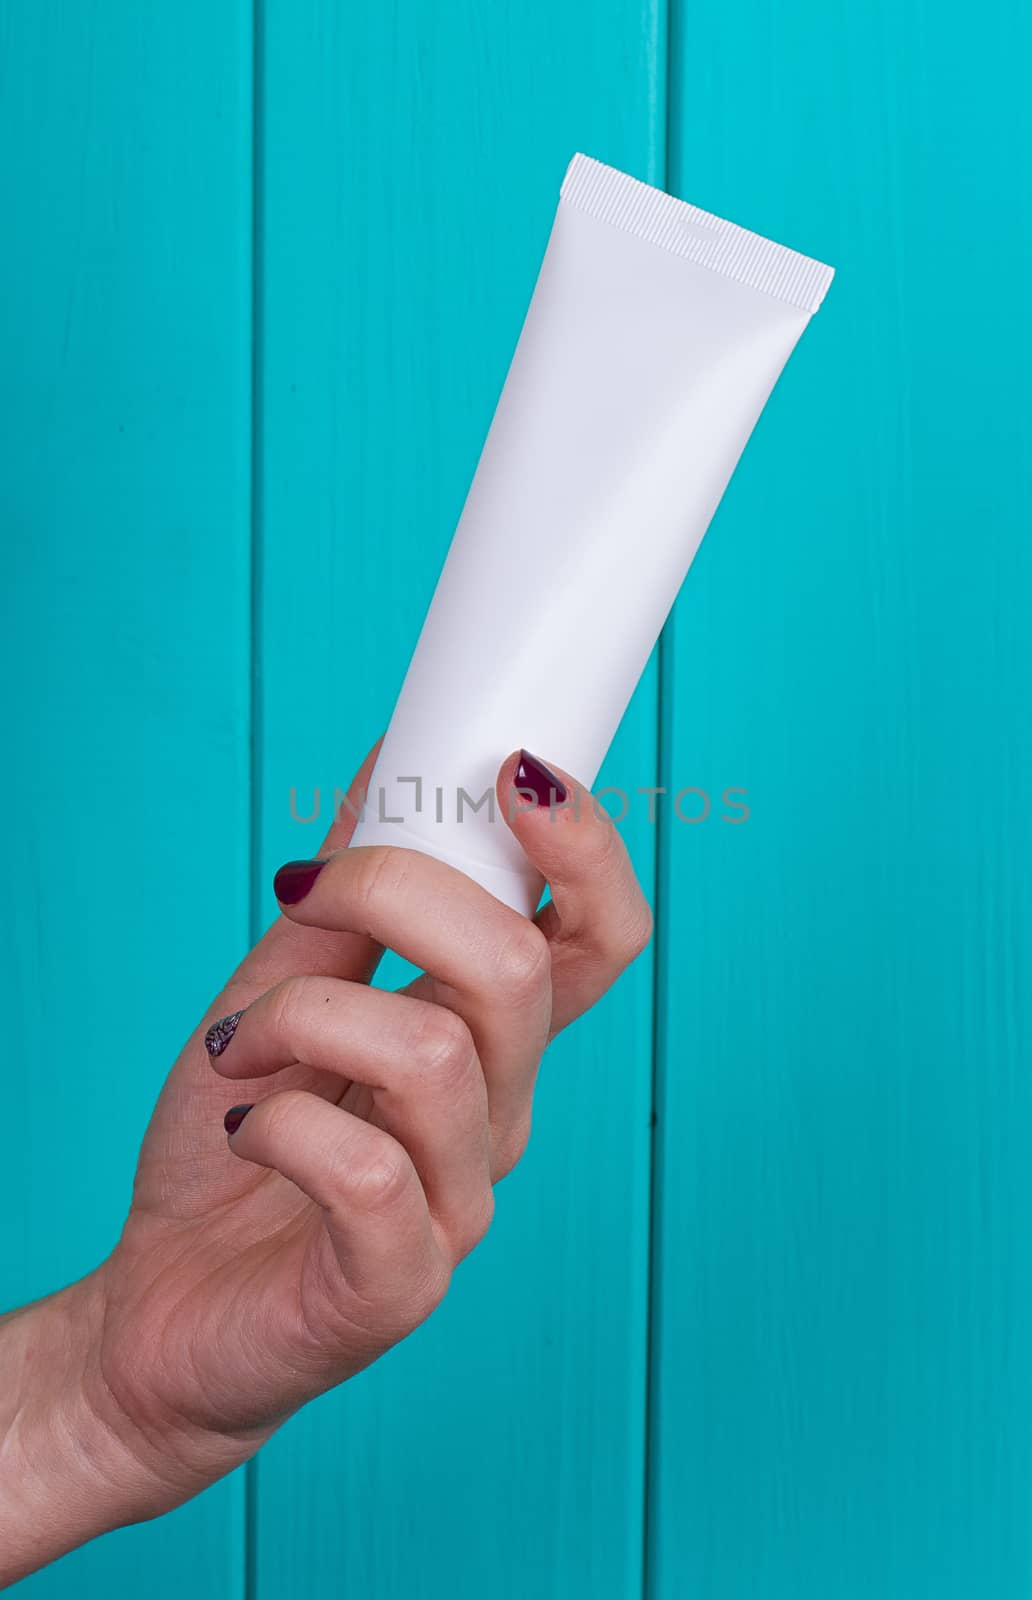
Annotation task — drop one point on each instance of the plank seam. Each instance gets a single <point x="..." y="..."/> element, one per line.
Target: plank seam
<point x="249" y="1563"/>
<point x="649" y="1591"/>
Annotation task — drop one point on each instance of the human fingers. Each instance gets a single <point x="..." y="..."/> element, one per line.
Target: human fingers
<point x="482" y="960"/>
<point x="384" y="1270"/>
<point x="418" y="1062"/>
<point x="597" y="920"/>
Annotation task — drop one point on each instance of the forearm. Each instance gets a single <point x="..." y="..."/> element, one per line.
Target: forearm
<point x="65" y="1474"/>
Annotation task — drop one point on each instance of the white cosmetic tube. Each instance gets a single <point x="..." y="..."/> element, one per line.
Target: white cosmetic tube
<point x="655" y="334"/>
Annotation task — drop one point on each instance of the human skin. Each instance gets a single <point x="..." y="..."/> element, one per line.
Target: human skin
<point x="261" y="1267"/>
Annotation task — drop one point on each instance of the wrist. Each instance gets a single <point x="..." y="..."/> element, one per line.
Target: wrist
<point x="68" y="1471"/>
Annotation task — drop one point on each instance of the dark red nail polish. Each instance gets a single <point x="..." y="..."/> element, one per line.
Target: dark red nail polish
<point x="534" y="778"/>
<point x="235" y="1116"/>
<point x="220" y="1033"/>
<point x="293" y="881"/>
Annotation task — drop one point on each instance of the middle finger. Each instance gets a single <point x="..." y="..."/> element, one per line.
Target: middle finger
<point x="482" y="960"/>
<point x="417" y="1062"/>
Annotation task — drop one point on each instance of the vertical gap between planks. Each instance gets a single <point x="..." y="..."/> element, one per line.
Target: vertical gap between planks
<point x="654" y="1229"/>
<point x="668" y="40"/>
<point x="249" y="1574"/>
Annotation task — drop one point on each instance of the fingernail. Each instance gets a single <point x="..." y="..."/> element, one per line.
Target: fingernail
<point x="220" y="1033"/>
<point x="235" y="1116"/>
<point x="535" y="778"/>
<point x="293" y="881"/>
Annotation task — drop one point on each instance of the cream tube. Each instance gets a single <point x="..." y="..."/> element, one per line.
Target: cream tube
<point x="654" y="337"/>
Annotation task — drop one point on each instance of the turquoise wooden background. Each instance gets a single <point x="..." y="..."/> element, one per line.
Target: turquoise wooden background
<point x="262" y="271"/>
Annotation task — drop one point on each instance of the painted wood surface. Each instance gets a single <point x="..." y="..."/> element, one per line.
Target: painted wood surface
<point x="842" y="1401"/>
<point x="124" y="500"/>
<point x="261" y="278"/>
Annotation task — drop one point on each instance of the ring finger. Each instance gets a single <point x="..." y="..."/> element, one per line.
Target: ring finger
<point x="418" y="1062"/>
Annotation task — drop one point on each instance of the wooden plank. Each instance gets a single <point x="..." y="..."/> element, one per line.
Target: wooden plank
<point x="412" y="157"/>
<point x="125" y="414"/>
<point x="842" y="1401"/>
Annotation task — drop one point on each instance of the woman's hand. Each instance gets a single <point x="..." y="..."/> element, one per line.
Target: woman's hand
<point x="259" y="1269"/>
